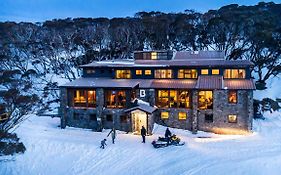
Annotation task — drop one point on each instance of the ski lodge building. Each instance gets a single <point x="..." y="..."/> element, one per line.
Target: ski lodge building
<point x="197" y="90"/>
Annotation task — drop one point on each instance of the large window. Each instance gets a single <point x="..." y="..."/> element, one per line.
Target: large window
<point x="187" y="73"/>
<point x="123" y="74"/>
<point x="163" y="73"/>
<point x="173" y="99"/>
<point x="115" y="99"/>
<point x="84" y="98"/>
<point x="232" y="97"/>
<point x="234" y="73"/>
<point x="205" y="100"/>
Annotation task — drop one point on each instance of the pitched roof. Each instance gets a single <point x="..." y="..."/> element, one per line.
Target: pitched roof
<point x="142" y="107"/>
<point x="242" y="84"/>
<point x="203" y="82"/>
<point x="210" y="82"/>
<point x="102" y="82"/>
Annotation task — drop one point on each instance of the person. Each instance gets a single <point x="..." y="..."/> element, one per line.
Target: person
<point x="143" y="134"/>
<point x="103" y="143"/>
<point x="113" y="134"/>
<point x="168" y="134"/>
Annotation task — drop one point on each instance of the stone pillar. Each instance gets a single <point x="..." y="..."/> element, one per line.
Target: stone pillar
<point x="100" y="106"/>
<point x="195" y="112"/>
<point x="151" y="97"/>
<point x="63" y="107"/>
<point x="250" y="107"/>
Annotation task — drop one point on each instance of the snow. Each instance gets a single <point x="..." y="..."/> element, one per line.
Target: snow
<point x="51" y="150"/>
<point x="273" y="90"/>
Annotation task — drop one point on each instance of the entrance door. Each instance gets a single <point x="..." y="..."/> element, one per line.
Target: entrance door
<point x="139" y="120"/>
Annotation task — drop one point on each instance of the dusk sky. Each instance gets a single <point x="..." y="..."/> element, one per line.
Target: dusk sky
<point x="41" y="10"/>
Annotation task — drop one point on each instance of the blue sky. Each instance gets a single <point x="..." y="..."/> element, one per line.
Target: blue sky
<point x="41" y="10"/>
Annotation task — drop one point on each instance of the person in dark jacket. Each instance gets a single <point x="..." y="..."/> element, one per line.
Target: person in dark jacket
<point x="103" y="143"/>
<point x="143" y="134"/>
<point x="113" y="134"/>
<point x="168" y="134"/>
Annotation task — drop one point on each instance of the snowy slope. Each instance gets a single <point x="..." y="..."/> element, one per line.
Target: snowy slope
<point x="52" y="151"/>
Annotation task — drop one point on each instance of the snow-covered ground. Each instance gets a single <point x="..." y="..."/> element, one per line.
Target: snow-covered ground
<point x="55" y="151"/>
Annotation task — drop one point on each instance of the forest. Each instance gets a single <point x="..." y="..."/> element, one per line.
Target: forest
<point x="31" y="54"/>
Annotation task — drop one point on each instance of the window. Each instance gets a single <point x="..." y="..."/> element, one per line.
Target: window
<point x="204" y="71"/>
<point x="91" y="96"/>
<point x="154" y="55"/>
<point x="182" y="115"/>
<point x="164" y="115"/>
<point x="205" y="100"/>
<point x="123" y="119"/>
<point x="77" y="116"/>
<point x="163" y="98"/>
<point x="90" y="71"/>
<point x="109" y="118"/>
<point x="187" y="73"/>
<point x="232" y="118"/>
<point x="138" y="72"/>
<point x="234" y="73"/>
<point x="232" y="97"/>
<point x="163" y="73"/>
<point x="80" y="98"/>
<point x="84" y="98"/>
<point x="184" y="99"/>
<point x="93" y="117"/>
<point x="115" y="99"/>
<point x="123" y="74"/>
<point x="147" y="72"/>
<point x="209" y="118"/>
<point x="173" y="99"/>
<point x="215" y="71"/>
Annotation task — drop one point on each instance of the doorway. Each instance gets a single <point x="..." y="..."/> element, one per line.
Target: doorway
<point x="139" y="119"/>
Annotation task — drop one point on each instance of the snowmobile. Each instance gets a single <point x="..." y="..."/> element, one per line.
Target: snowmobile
<point x="164" y="142"/>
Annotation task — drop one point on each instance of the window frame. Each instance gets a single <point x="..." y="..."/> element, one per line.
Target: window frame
<point x="236" y="96"/>
<point x="165" y="117"/>
<point x="147" y="72"/>
<point x="215" y="73"/>
<point x="123" y="74"/>
<point x="231" y="73"/>
<point x="177" y="100"/>
<point x="86" y="104"/>
<point x="187" y="73"/>
<point x="205" y="103"/>
<point x="180" y="118"/>
<point x="163" y="73"/>
<point x="138" y="72"/>
<point x="229" y="116"/>
<point x="114" y="105"/>
<point x="202" y="70"/>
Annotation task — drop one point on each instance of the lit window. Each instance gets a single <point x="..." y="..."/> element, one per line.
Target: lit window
<point x="204" y="71"/>
<point x="115" y="99"/>
<point x="123" y="74"/>
<point x="182" y="115"/>
<point x="215" y="71"/>
<point x="232" y="118"/>
<point x="80" y="98"/>
<point x="173" y="99"/>
<point x="90" y="71"/>
<point x="234" y="73"/>
<point x="154" y="55"/>
<point x="187" y="73"/>
<point x="138" y="72"/>
<point x="147" y="72"/>
<point x="232" y="96"/>
<point x="91" y="98"/>
<point x="164" y="115"/>
<point x="163" y="73"/>
<point x="205" y="100"/>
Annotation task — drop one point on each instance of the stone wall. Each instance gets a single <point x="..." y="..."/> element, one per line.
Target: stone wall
<point x="222" y="108"/>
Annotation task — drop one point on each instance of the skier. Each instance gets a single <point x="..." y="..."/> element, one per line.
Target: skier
<point x="103" y="143"/>
<point x="168" y="134"/>
<point x="113" y="134"/>
<point x="143" y="134"/>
